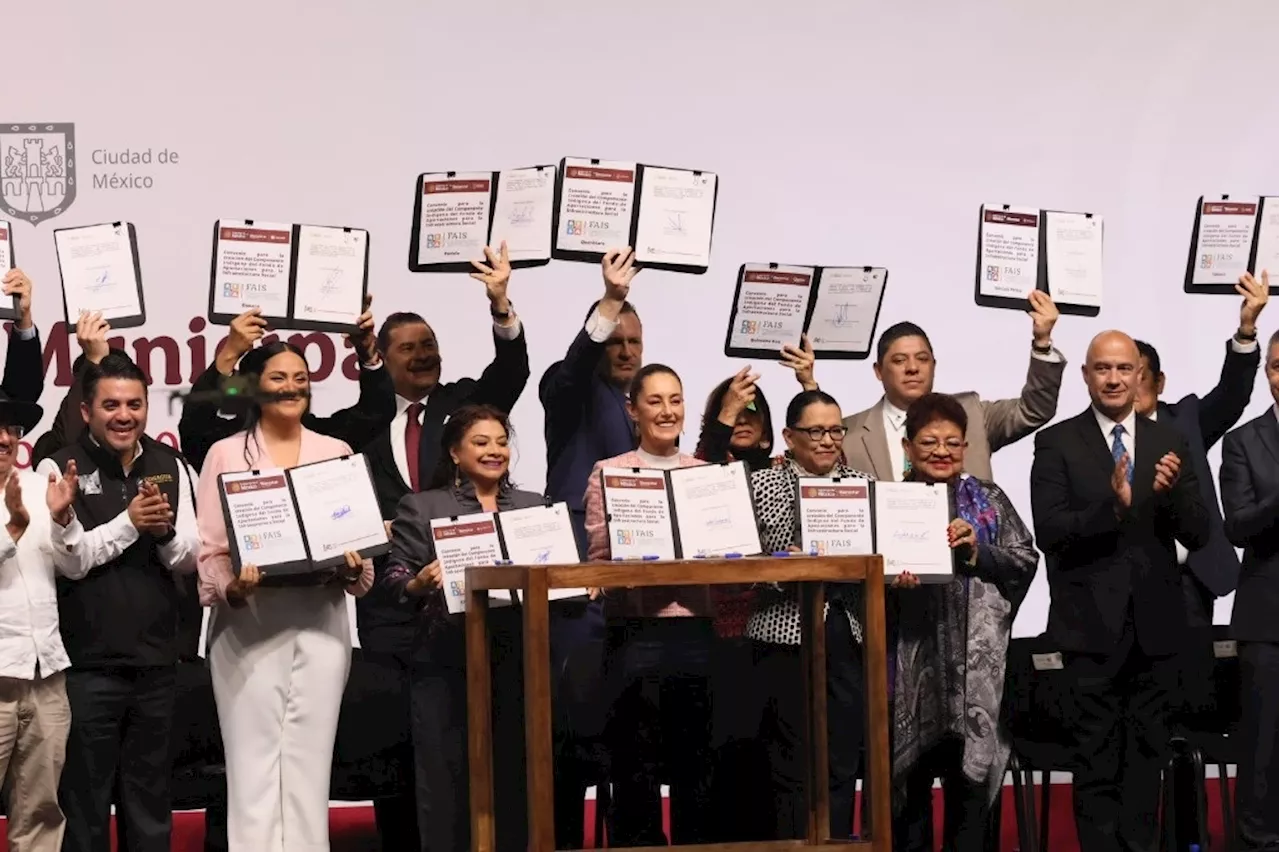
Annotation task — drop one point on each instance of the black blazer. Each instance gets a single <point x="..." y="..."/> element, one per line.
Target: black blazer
<point x="1203" y="421"/>
<point x="1249" y="474"/>
<point x="1097" y="562"/>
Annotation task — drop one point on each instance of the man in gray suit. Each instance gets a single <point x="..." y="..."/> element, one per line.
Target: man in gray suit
<point x="904" y="365"/>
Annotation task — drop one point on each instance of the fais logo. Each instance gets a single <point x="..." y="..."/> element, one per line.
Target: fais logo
<point x="993" y="273"/>
<point x="575" y="228"/>
<point x="435" y="241"/>
<point x="231" y="289"/>
<point x="257" y="541"/>
<point x="37" y="170"/>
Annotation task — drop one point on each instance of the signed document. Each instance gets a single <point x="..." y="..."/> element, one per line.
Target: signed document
<point x="331" y="275"/>
<point x="453" y="221"/>
<point x="1073" y="258"/>
<point x="844" y="315"/>
<point x="637" y="509"/>
<point x="523" y="213"/>
<point x="1224" y="241"/>
<point x="1010" y="251"/>
<point x="1267" y="257"/>
<point x="262" y="523"/>
<point x="99" y="267"/>
<point x="677" y="210"/>
<point x="252" y="268"/>
<point x="714" y="512"/>
<point x="770" y="309"/>
<point x="463" y="542"/>
<point x="339" y="509"/>
<point x="835" y="516"/>
<point x="541" y="535"/>
<point x="911" y="520"/>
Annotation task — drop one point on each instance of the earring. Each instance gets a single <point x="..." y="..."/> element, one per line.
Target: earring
<point x="457" y="478"/>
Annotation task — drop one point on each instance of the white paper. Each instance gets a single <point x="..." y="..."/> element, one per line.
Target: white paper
<point x="264" y="525"/>
<point x="714" y="511"/>
<point x="541" y="535"/>
<point x="1225" y="241"/>
<point x="252" y="267"/>
<point x="1268" y="257"/>
<point x="338" y="506"/>
<point x="844" y="315"/>
<point x="638" y="513"/>
<point x="772" y="303"/>
<point x="454" y="224"/>
<point x="1010" y="251"/>
<point x="677" y="208"/>
<point x="522" y="215"/>
<point x="6" y="252"/>
<point x="911" y="530"/>
<point x="835" y="516"/>
<point x="1073" y="256"/>
<point x="98" y="273"/>
<point x="329" y="284"/>
<point x="595" y="205"/>
<point x="467" y="541"/>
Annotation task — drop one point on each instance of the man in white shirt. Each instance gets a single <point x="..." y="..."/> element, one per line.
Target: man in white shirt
<point x="905" y="366"/>
<point x="34" y="714"/>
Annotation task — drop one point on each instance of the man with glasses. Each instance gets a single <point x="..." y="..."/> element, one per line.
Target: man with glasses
<point x="904" y="366"/>
<point x="34" y="714"/>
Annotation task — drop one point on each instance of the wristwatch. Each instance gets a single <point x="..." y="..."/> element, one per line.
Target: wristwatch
<point x="502" y="315"/>
<point x="1246" y="338"/>
<point x="1042" y="350"/>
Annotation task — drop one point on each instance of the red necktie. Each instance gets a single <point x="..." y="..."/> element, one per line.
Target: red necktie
<point x="412" y="441"/>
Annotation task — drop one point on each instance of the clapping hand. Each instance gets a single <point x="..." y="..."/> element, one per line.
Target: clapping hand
<point x="61" y="493"/>
<point x="19" y="517"/>
<point x="149" y="510"/>
<point x="1167" y="470"/>
<point x="963" y="540"/>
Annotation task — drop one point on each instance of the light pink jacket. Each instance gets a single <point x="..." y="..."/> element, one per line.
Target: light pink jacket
<point x="228" y="456"/>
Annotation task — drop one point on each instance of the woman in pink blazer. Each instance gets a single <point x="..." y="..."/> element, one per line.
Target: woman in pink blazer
<point x="659" y="648"/>
<point x="279" y="656"/>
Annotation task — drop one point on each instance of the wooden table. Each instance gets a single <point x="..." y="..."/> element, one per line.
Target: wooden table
<point x="809" y="572"/>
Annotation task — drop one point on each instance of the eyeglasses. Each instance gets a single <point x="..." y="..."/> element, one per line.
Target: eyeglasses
<point x="13" y="431"/>
<point x="952" y="446"/>
<point x="815" y="433"/>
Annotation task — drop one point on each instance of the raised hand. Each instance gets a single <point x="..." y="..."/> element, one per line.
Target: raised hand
<point x="618" y="268"/>
<point x="363" y="339"/>
<point x="17" y="283"/>
<point x="1255" y="294"/>
<point x="1044" y="315"/>
<point x="495" y="274"/>
<point x="91" y="334"/>
<point x="740" y="395"/>
<point x="800" y="360"/>
<point x="246" y="330"/>
<point x="61" y="493"/>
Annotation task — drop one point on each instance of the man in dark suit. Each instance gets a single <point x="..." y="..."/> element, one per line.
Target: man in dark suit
<point x="1251" y="499"/>
<point x="1110" y="495"/>
<point x="1210" y="572"/>
<point x="402" y="458"/>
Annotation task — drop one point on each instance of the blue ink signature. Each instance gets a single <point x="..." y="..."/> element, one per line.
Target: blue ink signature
<point x="341" y="512"/>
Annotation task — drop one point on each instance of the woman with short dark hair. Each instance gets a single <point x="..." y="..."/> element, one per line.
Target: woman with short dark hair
<point x="949" y="643"/>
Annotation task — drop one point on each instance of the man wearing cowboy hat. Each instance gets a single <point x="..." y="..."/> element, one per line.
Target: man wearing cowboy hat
<point x="34" y="714"/>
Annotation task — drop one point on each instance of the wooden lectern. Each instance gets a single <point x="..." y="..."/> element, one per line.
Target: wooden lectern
<point x="809" y="572"/>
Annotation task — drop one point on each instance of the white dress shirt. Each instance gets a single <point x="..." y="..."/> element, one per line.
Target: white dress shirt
<point x="895" y="429"/>
<point x="598" y="328"/>
<point x="28" y="597"/>
<point x="1107" y="425"/>
<point x="77" y="551"/>
<point x="399" y="424"/>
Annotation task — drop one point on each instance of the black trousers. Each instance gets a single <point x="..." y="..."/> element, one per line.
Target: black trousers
<point x="783" y="723"/>
<point x="438" y="701"/>
<point x="966" y="812"/>
<point x="396" y="817"/>
<point x="121" y="720"/>
<point x="660" y="729"/>
<point x="741" y="801"/>
<point x="1120" y="707"/>
<point x="1256" y="787"/>
<point x="577" y="634"/>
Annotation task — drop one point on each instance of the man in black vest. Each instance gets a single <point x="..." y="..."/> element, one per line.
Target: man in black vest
<point x="123" y="521"/>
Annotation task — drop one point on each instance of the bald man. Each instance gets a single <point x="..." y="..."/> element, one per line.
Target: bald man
<point x="1110" y="496"/>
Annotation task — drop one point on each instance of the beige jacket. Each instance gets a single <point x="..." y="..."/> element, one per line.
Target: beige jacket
<point x="992" y="424"/>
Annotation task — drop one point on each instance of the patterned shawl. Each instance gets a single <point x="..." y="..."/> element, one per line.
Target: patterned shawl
<point x="952" y="642"/>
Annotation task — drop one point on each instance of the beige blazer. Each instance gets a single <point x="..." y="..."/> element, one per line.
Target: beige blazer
<point x="992" y="424"/>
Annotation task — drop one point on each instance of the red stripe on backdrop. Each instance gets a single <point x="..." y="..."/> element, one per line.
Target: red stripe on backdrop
<point x="352" y="828"/>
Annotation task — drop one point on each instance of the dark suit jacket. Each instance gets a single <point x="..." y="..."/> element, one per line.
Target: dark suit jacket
<point x="385" y="623"/>
<point x="23" y="368"/>
<point x="1203" y="421"/>
<point x="586" y="420"/>
<point x="202" y="424"/>
<point x="1097" y="562"/>
<point x="439" y="638"/>
<point x="1249" y="474"/>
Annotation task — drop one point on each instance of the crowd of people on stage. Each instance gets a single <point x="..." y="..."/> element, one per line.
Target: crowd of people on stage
<point x="698" y="688"/>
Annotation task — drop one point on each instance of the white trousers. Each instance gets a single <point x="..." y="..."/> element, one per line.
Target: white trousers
<point x="279" y="667"/>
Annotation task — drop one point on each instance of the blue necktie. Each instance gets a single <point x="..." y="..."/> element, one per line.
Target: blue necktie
<point x="1117" y="450"/>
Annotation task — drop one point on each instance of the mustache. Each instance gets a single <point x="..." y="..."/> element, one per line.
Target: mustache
<point x="286" y="396"/>
<point x="430" y="362"/>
